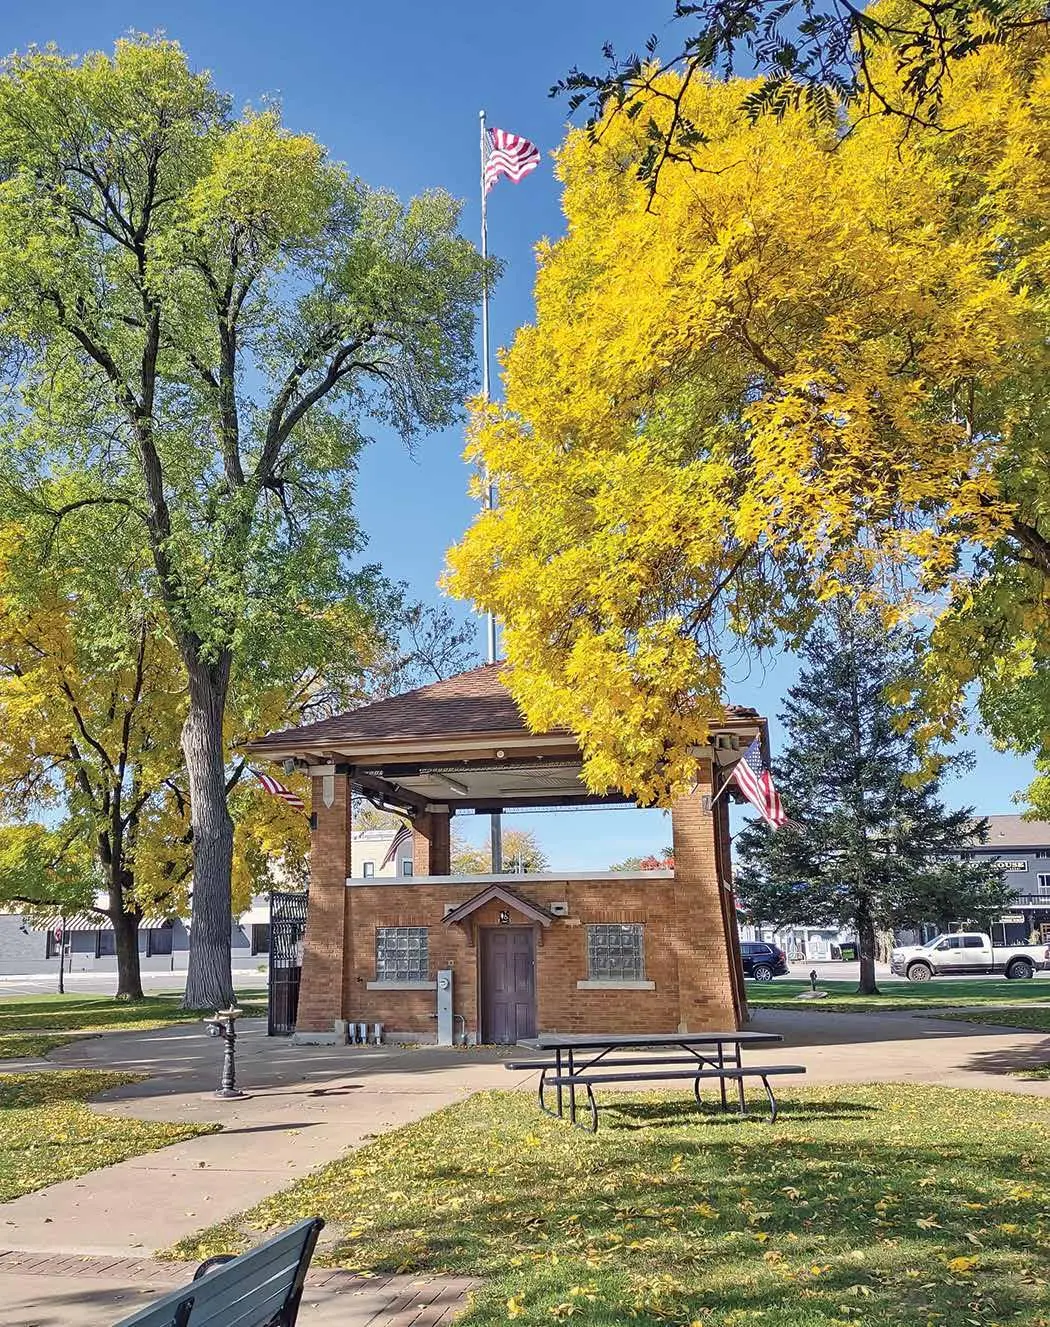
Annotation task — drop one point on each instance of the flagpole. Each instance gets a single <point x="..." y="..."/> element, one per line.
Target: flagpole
<point x="496" y="838"/>
<point x="486" y="390"/>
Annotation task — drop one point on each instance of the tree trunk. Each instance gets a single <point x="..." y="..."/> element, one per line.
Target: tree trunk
<point x="209" y="982"/>
<point x="129" y="974"/>
<point x="866" y="954"/>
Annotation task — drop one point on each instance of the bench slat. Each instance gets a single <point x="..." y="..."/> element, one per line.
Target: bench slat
<point x="242" y="1300"/>
<point x="756" y="1071"/>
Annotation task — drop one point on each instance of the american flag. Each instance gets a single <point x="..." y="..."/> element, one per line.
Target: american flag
<point x="510" y="155"/>
<point x="756" y="783"/>
<point x="403" y="835"/>
<point x="277" y="789"/>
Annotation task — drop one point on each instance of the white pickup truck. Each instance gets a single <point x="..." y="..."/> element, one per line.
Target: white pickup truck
<point x="966" y="953"/>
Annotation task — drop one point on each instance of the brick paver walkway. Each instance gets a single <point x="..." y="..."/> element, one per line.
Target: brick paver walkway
<point x="37" y="1290"/>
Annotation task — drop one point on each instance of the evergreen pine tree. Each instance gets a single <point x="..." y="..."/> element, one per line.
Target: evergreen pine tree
<point x="872" y="846"/>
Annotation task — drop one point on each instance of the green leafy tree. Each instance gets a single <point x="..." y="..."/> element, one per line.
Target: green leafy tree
<point x="872" y="845"/>
<point x="199" y="313"/>
<point x="652" y="862"/>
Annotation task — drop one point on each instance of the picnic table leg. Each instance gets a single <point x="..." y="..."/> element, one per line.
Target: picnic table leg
<point x="740" y="1084"/>
<point x="722" y="1081"/>
<point x="772" y="1100"/>
<point x="594" y="1109"/>
<point x="572" y="1089"/>
<point x="557" y="1057"/>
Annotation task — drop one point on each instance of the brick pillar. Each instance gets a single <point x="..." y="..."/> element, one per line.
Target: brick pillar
<point x="325" y="958"/>
<point x="702" y="942"/>
<point x="432" y="843"/>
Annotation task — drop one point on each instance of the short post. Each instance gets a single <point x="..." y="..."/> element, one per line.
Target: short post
<point x="224" y="1025"/>
<point x="812" y="979"/>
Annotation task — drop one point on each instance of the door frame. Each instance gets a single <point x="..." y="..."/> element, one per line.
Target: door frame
<point x="482" y="931"/>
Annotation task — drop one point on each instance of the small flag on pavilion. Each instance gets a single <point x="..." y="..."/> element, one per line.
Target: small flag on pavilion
<point x="277" y="789"/>
<point x="509" y="155"/>
<point x="403" y="835"/>
<point x="756" y="783"/>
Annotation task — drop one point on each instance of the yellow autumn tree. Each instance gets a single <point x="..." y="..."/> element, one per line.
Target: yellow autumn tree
<point x="812" y="348"/>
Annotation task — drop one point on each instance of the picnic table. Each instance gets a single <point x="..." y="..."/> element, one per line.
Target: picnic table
<point x="585" y="1061"/>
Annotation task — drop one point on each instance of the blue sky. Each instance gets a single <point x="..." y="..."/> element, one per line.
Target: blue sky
<point x="394" y="91"/>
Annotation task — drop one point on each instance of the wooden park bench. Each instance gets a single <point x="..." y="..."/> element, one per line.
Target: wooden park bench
<point x="261" y="1288"/>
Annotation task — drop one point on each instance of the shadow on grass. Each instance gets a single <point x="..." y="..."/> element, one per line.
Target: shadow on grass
<point x="645" y="1115"/>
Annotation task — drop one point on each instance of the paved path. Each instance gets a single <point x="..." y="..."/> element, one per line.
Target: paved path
<point x="306" y="1106"/>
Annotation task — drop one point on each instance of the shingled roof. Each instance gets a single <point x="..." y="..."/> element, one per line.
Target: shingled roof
<point x="468" y="703"/>
<point x="471" y="702"/>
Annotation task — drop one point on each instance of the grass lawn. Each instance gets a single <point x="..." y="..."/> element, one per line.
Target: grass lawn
<point x="32" y="1025"/>
<point x="48" y="1133"/>
<point x="945" y="992"/>
<point x="879" y="1205"/>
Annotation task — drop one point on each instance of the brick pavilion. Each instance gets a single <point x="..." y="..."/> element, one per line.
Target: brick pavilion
<point x="594" y="951"/>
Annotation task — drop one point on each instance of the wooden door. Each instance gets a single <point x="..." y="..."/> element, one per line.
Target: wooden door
<point x="508" y="984"/>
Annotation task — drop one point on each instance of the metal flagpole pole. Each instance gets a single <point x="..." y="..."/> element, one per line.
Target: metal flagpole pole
<point x="496" y="833"/>
<point x="490" y="488"/>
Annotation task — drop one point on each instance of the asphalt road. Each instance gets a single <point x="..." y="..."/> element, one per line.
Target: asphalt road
<point x="101" y="983"/>
<point x="104" y="983"/>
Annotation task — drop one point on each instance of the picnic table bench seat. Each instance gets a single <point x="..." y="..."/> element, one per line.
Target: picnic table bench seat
<point x="763" y="1072"/>
<point x="260" y="1288"/>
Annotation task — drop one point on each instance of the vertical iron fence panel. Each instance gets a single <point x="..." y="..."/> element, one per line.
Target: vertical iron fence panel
<point x="287" y="925"/>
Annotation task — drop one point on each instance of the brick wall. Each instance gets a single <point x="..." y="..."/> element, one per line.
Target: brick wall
<point x="561" y="954"/>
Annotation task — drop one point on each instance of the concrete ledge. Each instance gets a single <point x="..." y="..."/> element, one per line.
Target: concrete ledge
<point x="401" y="985"/>
<point x="317" y="1039"/>
<point x="510" y="879"/>
<point x="616" y="985"/>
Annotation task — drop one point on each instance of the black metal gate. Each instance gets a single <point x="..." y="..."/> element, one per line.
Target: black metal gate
<point x="287" y="924"/>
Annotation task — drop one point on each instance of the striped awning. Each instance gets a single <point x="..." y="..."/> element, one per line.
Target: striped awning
<point x="91" y="921"/>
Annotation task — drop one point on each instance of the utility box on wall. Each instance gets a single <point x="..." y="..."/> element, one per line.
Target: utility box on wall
<point x="444" y="1007"/>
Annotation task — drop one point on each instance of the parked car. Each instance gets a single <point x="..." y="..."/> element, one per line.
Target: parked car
<point x="762" y="961"/>
<point x="966" y="953"/>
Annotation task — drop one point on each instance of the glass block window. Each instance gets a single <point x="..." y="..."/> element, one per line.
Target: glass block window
<point x="614" y="953"/>
<point x="402" y="953"/>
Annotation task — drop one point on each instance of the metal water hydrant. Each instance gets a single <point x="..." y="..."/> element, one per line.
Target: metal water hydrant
<point x="224" y="1025"/>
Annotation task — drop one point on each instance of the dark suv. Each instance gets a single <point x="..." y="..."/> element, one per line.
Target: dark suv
<point x="762" y="961"/>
